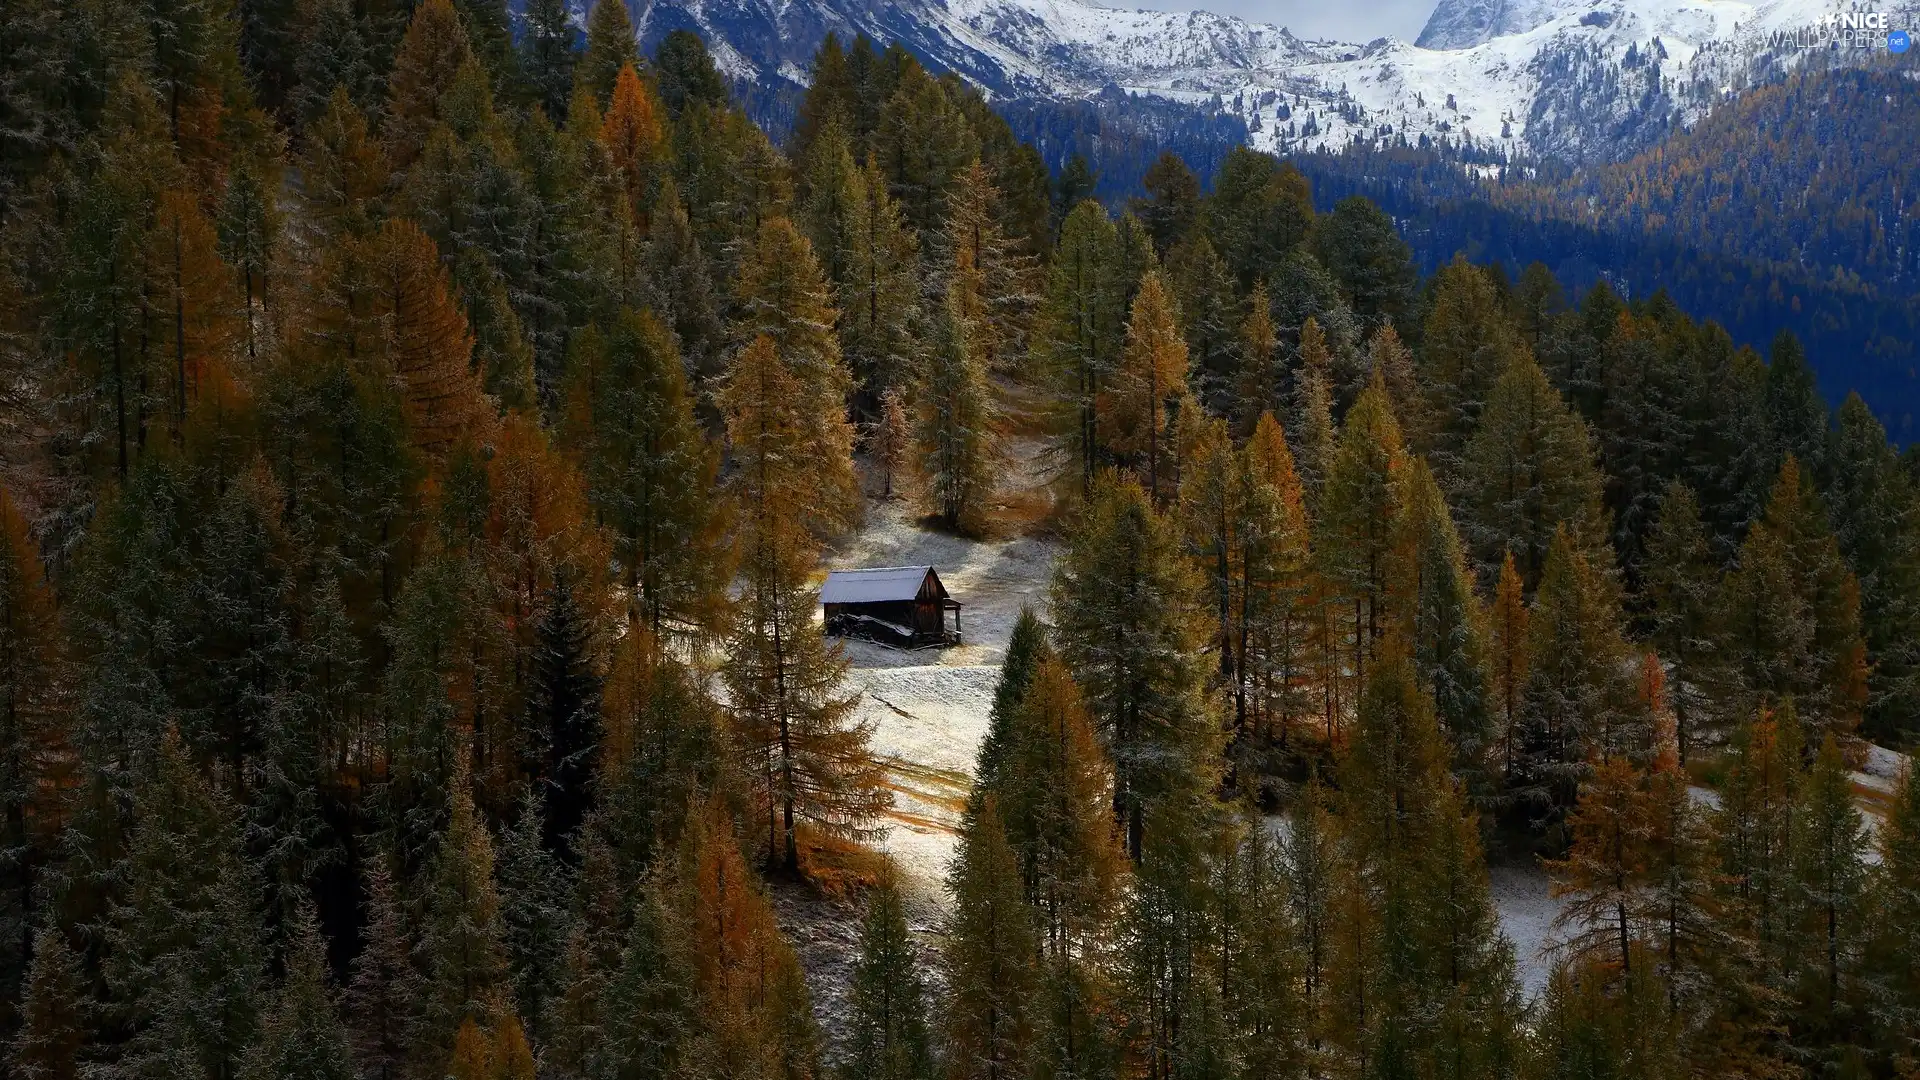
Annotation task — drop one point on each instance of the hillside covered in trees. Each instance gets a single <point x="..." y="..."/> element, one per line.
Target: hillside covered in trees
<point x="1787" y="208"/>
<point x="418" y="450"/>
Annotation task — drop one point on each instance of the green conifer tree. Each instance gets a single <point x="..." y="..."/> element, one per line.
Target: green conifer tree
<point x="958" y="449"/>
<point x="990" y="956"/>
<point x="879" y="298"/>
<point x="650" y="472"/>
<point x="1027" y="647"/>
<point x="1527" y="470"/>
<point x="382" y="999"/>
<point x="1876" y="520"/>
<point x="1579" y="704"/>
<point x="301" y="1038"/>
<point x="53" y="1026"/>
<point x="184" y="949"/>
<point x="1360" y="504"/>
<point x="1124" y="608"/>
<point x="1793" y="606"/>
<point x="1677" y="593"/>
<point x="1830" y="844"/>
<point x="1081" y="328"/>
<point x="889" y="1038"/>
<point x="461" y="941"/>
<point x="611" y="45"/>
<point x="1446" y="630"/>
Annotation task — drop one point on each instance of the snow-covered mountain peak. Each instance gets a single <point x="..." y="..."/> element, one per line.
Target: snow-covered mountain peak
<point x="1577" y="78"/>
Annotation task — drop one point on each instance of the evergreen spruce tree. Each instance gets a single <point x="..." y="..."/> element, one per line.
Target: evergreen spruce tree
<point x="564" y="706"/>
<point x="923" y="144"/>
<point x="1211" y="317"/>
<point x="1081" y="329"/>
<point x="1796" y="416"/>
<point x="681" y="292"/>
<point x="647" y="1001"/>
<point x="1310" y="853"/>
<point x="1597" y="1021"/>
<point x="1056" y="788"/>
<point x="301" y="1038"/>
<point x="461" y="943"/>
<point x="533" y="914"/>
<point x="1876" y="520"/>
<point x="1124" y="608"/>
<point x="889" y="1038"/>
<point x="335" y="50"/>
<point x="1434" y="973"/>
<point x="1793" y="625"/>
<point x="1894" y="999"/>
<point x="1257" y="386"/>
<point x="1172" y="205"/>
<point x="1360" y="247"/>
<point x="1174" y="990"/>
<point x="1360" y="505"/>
<point x="1580" y="705"/>
<point x="1527" y="470"/>
<point x="825" y="200"/>
<point x="958" y="454"/>
<point x="1027" y="647"/>
<point x="1259" y="211"/>
<point x="1830" y="844"/>
<point x="547" y="55"/>
<point x="382" y="998"/>
<point x="685" y="73"/>
<point x="1677" y="594"/>
<point x="990" y="956"/>
<point x="879" y="296"/>
<point x="650" y="472"/>
<point x="184" y="949"/>
<point x="1468" y="345"/>
<point x="1445" y="630"/>
<point x="53" y="1025"/>
<point x="610" y="46"/>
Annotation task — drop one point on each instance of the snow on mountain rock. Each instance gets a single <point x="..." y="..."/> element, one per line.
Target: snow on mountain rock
<point x="1570" y="78"/>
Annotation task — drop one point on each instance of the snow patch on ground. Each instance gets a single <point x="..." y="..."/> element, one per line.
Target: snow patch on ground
<point x="1524" y="898"/>
<point x="927" y="723"/>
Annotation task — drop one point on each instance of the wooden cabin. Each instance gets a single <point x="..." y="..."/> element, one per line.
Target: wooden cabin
<point x="902" y="606"/>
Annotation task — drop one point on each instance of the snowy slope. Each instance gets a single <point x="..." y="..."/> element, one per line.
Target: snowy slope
<point x="1577" y="78"/>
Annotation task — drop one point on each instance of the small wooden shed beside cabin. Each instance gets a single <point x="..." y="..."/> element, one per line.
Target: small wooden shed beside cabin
<point x="904" y="606"/>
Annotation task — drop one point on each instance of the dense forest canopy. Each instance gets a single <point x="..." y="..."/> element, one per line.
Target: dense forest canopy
<point x="419" y="445"/>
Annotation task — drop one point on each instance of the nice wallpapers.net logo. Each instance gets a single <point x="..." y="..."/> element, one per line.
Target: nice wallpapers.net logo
<point x="1849" y="30"/>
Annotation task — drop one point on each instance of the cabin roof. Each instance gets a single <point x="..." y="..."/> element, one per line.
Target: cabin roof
<point x="878" y="585"/>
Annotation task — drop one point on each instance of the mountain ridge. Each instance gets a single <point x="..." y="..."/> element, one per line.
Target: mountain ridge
<point x="1575" y="80"/>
